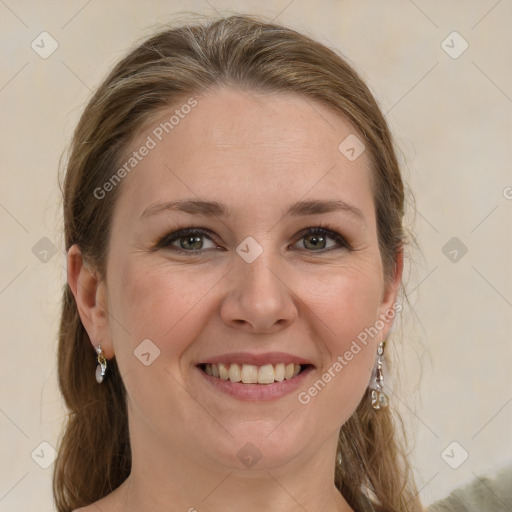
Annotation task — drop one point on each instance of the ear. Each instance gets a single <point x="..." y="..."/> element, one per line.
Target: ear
<point x="389" y="307"/>
<point x="90" y="296"/>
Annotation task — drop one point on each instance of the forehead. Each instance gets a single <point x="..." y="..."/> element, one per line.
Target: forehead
<point x="245" y="146"/>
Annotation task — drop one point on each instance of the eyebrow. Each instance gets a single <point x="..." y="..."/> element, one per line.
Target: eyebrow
<point x="216" y="209"/>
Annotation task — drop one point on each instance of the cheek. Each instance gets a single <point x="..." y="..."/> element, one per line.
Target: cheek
<point x="171" y="305"/>
<point x="347" y="313"/>
<point x="153" y="302"/>
<point x="346" y="301"/>
<point x="159" y="303"/>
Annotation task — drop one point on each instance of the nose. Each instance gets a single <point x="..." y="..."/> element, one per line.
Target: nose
<point x="259" y="299"/>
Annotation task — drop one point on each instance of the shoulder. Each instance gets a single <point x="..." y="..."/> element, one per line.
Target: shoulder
<point x="100" y="505"/>
<point x="93" y="507"/>
<point x="89" y="508"/>
<point x="112" y="502"/>
<point x="481" y="495"/>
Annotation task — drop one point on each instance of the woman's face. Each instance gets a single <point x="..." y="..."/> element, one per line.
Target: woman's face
<point x="252" y="282"/>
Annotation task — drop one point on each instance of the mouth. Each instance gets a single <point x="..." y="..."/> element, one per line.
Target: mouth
<point x="254" y="374"/>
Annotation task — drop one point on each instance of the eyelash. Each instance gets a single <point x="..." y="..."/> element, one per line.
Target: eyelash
<point x="321" y="229"/>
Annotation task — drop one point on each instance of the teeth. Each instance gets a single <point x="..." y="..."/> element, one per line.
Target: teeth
<point x="223" y="372"/>
<point x="249" y="374"/>
<point x="252" y="374"/>
<point x="266" y="374"/>
<point x="279" y="372"/>
<point x="234" y="373"/>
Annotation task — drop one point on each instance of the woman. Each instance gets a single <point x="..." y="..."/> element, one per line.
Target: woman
<point x="233" y="219"/>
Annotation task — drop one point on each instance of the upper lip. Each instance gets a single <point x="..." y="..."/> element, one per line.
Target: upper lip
<point x="256" y="359"/>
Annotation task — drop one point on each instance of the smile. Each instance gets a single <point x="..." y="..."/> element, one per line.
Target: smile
<point x="253" y="374"/>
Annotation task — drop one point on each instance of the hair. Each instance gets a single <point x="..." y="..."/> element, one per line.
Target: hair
<point x="247" y="53"/>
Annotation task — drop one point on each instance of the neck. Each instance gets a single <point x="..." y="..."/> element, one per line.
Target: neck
<point x="176" y="479"/>
<point x="230" y="493"/>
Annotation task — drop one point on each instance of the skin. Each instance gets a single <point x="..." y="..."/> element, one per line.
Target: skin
<point x="258" y="154"/>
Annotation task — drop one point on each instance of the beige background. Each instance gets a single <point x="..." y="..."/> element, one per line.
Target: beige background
<point x="452" y="121"/>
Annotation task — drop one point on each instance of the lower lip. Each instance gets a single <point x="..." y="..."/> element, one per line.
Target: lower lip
<point x="257" y="392"/>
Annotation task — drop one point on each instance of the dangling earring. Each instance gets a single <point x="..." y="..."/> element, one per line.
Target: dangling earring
<point x="379" y="398"/>
<point x="101" y="369"/>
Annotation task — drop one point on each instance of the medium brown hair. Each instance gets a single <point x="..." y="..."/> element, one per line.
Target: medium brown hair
<point x="177" y="62"/>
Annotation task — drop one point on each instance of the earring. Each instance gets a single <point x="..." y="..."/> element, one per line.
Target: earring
<point x="379" y="398"/>
<point x="101" y="369"/>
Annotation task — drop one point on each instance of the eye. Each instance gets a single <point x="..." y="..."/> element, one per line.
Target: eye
<point x="315" y="239"/>
<point x="186" y="241"/>
<point x="191" y="240"/>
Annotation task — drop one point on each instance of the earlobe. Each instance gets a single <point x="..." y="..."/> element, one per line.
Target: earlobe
<point x="89" y="292"/>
